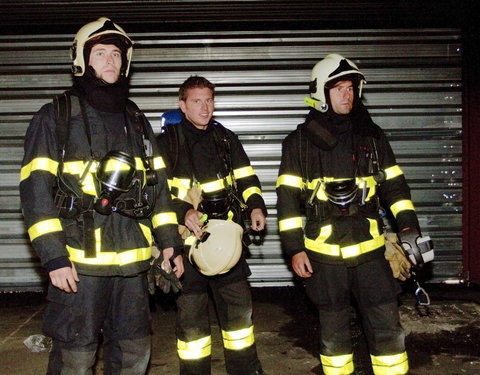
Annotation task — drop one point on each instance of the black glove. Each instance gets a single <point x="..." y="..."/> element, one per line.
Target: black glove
<point x="162" y="275"/>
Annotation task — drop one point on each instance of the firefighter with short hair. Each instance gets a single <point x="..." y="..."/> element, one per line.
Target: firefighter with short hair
<point x="214" y="185"/>
<point x="93" y="196"/>
<point x="339" y="169"/>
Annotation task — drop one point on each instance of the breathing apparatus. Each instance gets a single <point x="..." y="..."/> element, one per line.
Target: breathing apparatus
<point x="115" y="174"/>
<point x="332" y="68"/>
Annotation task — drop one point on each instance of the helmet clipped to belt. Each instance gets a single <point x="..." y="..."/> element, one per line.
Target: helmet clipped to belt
<point x="219" y="249"/>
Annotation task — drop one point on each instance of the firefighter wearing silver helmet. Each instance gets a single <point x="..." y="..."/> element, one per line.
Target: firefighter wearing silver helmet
<point x="332" y="68"/>
<point x="87" y="148"/>
<point x="102" y="31"/>
<point x="339" y="165"/>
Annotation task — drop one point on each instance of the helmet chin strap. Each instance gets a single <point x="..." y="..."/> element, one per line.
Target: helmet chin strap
<point x="314" y="103"/>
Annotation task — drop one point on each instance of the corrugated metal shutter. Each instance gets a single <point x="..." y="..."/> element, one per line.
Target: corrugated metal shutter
<point x="413" y="93"/>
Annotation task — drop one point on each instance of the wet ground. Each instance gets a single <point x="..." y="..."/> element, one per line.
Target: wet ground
<point x="445" y="340"/>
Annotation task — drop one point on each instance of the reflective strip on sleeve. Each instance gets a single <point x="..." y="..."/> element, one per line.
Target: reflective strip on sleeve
<point x="393" y="172"/>
<point x="292" y="223"/>
<point x="197" y="349"/>
<point x="390" y="364"/>
<point x="338" y="364"/>
<point x="164" y="218"/>
<point x="44" y="227"/>
<point x="290" y="180"/>
<point x="401" y="206"/>
<point x="238" y="340"/>
<point x="243" y="172"/>
<point x="250" y="191"/>
<point x="39" y="164"/>
<point x="158" y="163"/>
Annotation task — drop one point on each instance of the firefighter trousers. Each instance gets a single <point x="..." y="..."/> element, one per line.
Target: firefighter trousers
<point x="233" y="304"/>
<point x="375" y="291"/>
<point x="116" y="307"/>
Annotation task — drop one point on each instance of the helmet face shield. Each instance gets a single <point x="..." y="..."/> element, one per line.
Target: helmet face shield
<point x="333" y="68"/>
<point x="101" y="31"/>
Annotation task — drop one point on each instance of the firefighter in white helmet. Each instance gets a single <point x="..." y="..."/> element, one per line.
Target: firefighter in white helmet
<point x="210" y="175"/>
<point x="84" y="166"/>
<point x="339" y="165"/>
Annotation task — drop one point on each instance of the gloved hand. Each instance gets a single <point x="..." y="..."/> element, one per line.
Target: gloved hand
<point x="395" y="255"/>
<point x="162" y="275"/>
<point x="418" y="248"/>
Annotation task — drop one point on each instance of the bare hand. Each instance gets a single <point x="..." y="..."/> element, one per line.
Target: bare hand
<point x="65" y="278"/>
<point x="258" y="219"/>
<point x="193" y="223"/>
<point x="301" y="265"/>
<point x="177" y="261"/>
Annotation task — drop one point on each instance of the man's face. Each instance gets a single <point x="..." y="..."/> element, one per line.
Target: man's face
<point x="106" y="59"/>
<point x="198" y="106"/>
<point x="341" y="97"/>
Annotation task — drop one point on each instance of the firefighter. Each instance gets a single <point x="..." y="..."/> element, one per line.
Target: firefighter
<point x="211" y="178"/>
<point x="93" y="199"/>
<point x="338" y="167"/>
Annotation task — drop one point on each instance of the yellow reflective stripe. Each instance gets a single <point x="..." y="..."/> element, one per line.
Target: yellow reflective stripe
<point x="337" y="365"/>
<point x="147" y="233"/>
<point x="44" y="227"/>
<point x="77" y="168"/>
<point x="292" y="223"/>
<point x="393" y="172"/>
<point x="243" y="172"/>
<point x="390" y="364"/>
<point x="289" y="180"/>
<point x="158" y="163"/>
<point x="181" y="183"/>
<point x="111" y="258"/>
<point x="401" y="206"/>
<point x="164" y="218"/>
<point x="318" y="245"/>
<point x="39" y="164"/>
<point x="238" y="340"/>
<point x="197" y="349"/>
<point x="216" y="185"/>
<point x="250" y="191"/>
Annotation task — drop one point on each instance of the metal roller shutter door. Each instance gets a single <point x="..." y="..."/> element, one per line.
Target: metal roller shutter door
<point x="414" y="92"/>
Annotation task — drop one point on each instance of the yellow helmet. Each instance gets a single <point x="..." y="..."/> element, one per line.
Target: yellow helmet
<point x="332" y="68"/>
<point x="103" y="31"/>
<point x="219" y="249"/>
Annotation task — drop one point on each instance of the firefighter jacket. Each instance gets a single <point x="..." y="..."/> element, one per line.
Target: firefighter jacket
<point x="347" y="147"/>
<point x="122" y="245"/>
<point x="213" y="160"/>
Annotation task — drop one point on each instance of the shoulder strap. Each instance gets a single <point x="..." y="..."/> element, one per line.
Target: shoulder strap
<point x="63" y="110"/>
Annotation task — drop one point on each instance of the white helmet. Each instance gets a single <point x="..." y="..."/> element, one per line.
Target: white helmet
<point x="103" y="31"/>
<point x="331" y="68"/>
<point x="219" y="249"/>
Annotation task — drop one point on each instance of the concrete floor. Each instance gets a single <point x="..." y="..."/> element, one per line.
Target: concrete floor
<point x="444" y="342"/>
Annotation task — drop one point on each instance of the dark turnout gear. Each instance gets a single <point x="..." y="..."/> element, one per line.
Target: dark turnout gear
<point x="120" y="306"/>
<point x="214" y="161"/>
<point x="339" y="177"/>
<point x="121" y="245"/>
